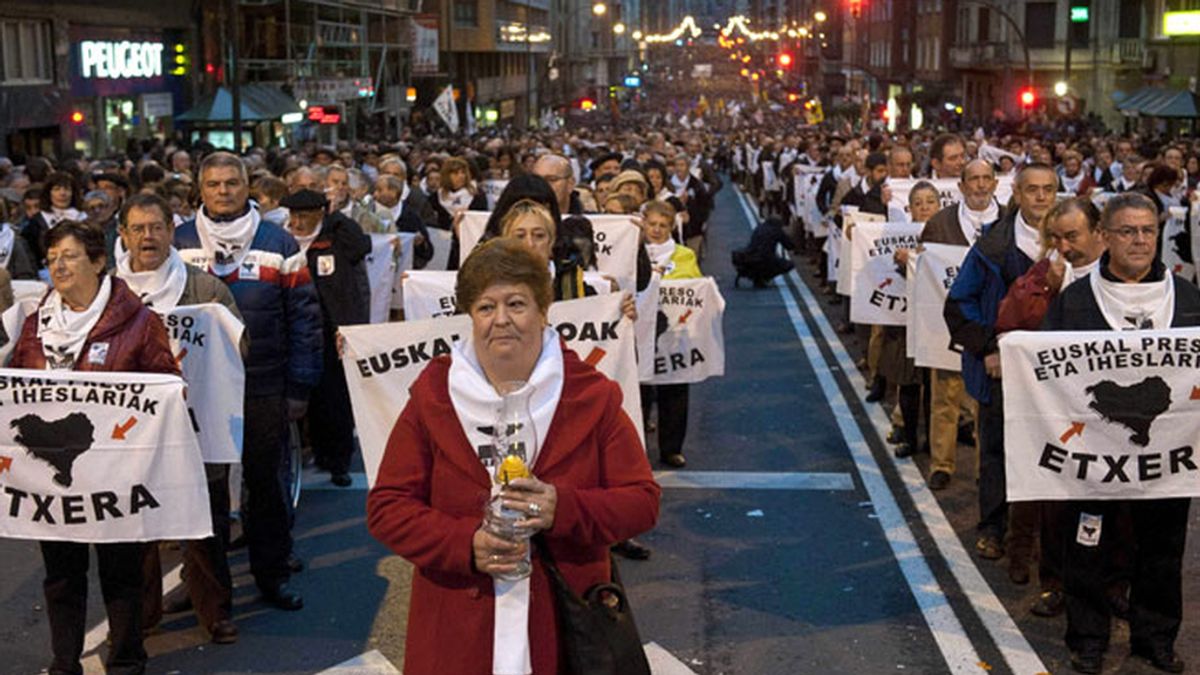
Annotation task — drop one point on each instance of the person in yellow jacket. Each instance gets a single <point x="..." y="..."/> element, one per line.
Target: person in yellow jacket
<point x="673" y="261"/>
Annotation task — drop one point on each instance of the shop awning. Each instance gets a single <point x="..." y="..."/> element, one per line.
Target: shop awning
<point x="1159" y="102"/>
<point x="259" y="102"/>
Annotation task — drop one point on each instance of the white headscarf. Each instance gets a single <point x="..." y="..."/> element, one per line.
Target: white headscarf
<point x="63" y="331"/>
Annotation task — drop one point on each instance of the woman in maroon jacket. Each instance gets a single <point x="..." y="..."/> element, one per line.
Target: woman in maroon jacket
<point x="592" y="484"/>
<point x="92" y="322"/>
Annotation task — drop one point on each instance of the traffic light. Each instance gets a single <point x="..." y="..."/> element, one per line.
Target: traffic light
<point x="77" y="117"/>
<point x="586" y="104"/>
<point x="855" y="8"/>
<point x="793" y="97"/>
<point x="1028" y="98"/>
<point x="785" y="60"/>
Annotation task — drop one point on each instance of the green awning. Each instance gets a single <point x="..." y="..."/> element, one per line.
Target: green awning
<point x="259" y="102"/>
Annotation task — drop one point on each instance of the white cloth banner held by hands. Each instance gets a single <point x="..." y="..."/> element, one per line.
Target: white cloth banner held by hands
<point x="692" y="346"/>
<point x="205" y="340"/>
<point x="929" y="281"/>
<point x="1101" y="414"/>
<point x="877" y="289"/>
<point x="382" y="361"/>
<point x="99" y="457"/>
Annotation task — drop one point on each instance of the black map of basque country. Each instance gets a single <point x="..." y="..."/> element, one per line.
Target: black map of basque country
<point x="58" y="443"/>
<point x="1135" y="406"/>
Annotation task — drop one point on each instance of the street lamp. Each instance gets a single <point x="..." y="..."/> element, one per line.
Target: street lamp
<point x="1060" y="89"/>
<point x="599" y="9"/>
<point x="618" y="28"/>
<point x="820" y="16"/>
<point x="637" y="35"/>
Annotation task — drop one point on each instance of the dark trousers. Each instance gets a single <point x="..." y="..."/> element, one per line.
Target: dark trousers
<point x="330" y="419"/>
<point x="66" y="589"/>
<point x="1159" y="532"/>
<point x="1041" y="522"/>
<point x="909" y="400"/>
<point x="672" y="402"/>
<point x="993" y="500"/>
<point x="265" y="519"/>
<point x="205" y="574"/>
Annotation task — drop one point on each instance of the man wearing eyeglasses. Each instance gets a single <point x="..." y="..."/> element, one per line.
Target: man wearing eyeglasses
<point x="1130" y="290"/>
<point x="1002" y="255"/>
<point x="556" y="170"/>
<point x="157" y="274"/>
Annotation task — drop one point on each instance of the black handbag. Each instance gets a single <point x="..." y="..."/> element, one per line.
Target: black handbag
<point x="596" y="633"/>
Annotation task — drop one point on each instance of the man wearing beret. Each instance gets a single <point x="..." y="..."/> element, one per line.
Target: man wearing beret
<point x="335" y="248"/>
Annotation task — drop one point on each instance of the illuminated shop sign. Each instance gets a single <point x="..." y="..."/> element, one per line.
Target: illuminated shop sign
<point x="120" y="60"/>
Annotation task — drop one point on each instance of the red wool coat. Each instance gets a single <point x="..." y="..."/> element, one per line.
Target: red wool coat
<point x="136" y="337"/>
<point x="429" y="497"/>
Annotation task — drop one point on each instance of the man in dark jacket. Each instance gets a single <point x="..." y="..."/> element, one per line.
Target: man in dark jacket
<point x="335" y="248"/>
<point x="1004" y="253"/>
<point x="867" y="195"/>
<point x="1130" y="228"/>
<point x="269" y="278"/>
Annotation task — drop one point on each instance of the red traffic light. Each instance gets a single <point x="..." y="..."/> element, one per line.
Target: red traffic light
<point x="1028" y="97"/>
<point x="77" y="117"/>
<point x="855" y="7"/>
<point x="793" y="97"/>
<point x="785" y="60"/>
<point x="587" y="104"/>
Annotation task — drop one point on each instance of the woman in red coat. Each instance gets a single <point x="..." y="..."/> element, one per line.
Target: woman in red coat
<point x="91" y="321"/>
<point x="592" y="485"/>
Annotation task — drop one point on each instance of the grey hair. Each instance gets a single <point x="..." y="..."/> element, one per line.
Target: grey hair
<point x="224" y="159"/>
<point x="1125" y="201"/>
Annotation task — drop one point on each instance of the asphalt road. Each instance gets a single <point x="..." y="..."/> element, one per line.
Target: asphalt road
<point x="791" y="543"/>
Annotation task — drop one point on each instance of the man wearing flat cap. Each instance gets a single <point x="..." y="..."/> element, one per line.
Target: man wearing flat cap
<point x="335" y="248"/>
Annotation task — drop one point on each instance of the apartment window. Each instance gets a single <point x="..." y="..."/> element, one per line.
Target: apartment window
<point x="936" y="55"/>
<point x="25" y="52"/>
<point x="1039" y="24"/>
<point x="466" y="12"/>
<point x="1130" y="24"/>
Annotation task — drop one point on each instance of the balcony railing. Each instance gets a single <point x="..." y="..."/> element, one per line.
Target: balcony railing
<point x="1127" y="51"/>
<point x="983" y="55"/>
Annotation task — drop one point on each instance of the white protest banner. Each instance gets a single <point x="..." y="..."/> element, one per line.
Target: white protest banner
<point x="13" y="321"/>
<point x="403" y="261"/>
<point x="692" y="348"/>
<point x="381" y="273"/>
<point x="928" y="283"/>
<point x="446" y="108"/>
<point x="428" y="294"/>
<point x="442" y="240"/>
<point x="616" y="239"/>
<point x="1177" y="244"/>
<point x="1101" y="414"/>
<point x="470" y="231"/>
<point x="647" y="319"/>
<point x="26" y="288"/>
<point x="382" y="362"/>
<point x="833" y="253"/>
<point x="850" y="217"/>
<point x="878" y="288"/>
<point x="947" y="188"/>
<point x="205" y="340"/>
<point x="98" y="457"/>
<point x="770" y="181"/>
<point x="492" y="189"/>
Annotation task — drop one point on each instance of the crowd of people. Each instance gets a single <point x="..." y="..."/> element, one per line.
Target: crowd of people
<point x="279" y="237"/>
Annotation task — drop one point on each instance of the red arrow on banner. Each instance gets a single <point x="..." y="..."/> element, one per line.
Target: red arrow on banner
<point x="119" y="430"/>
<point x="683" y="319"/>
<point x="1195" y="393"/>
<point x="1075" y="430"/>
<point x="5" y="464"/>
<point x="594" y="356"/>
<point x="180" y="357"/>
<point x="886" y="282"/>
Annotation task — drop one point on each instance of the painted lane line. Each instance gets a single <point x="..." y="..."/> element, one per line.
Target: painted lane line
<point x="750" y="480"/>
<point x="952" y="639"/>
<point x="663" y="662"/>
<point x="370" y="663"/>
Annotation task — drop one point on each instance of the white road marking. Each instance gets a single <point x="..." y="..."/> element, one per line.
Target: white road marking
<point x="663" y="662"/>
<point x="948" y="632"/>
<point x="750" y="480"/>
<point x="371" y="663"/>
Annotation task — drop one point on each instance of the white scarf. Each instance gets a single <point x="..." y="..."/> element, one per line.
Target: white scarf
<point x="972" y="221"/>
<point x="63" y="331"/>
<point x="1071" y="274"/>
<point x="476" y="404"/>
<point x="7" y="237"/>
<point x="1169" y="199"/>
<point x="680" y="185"/>
<point x="226" y="243"/>
<point x="1146" y="305"/>
<point x="459" y="200"/>
<point x="280" y="215"/>
<point x="664" y="194"/>
<point x="1070" y="184"/>
<point x="56" y="215"/>
<point x="660" y="255"/>
<point x="306" y="240"/>
<point x="159" y="289"/>
<point x="1028" y="238"/>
